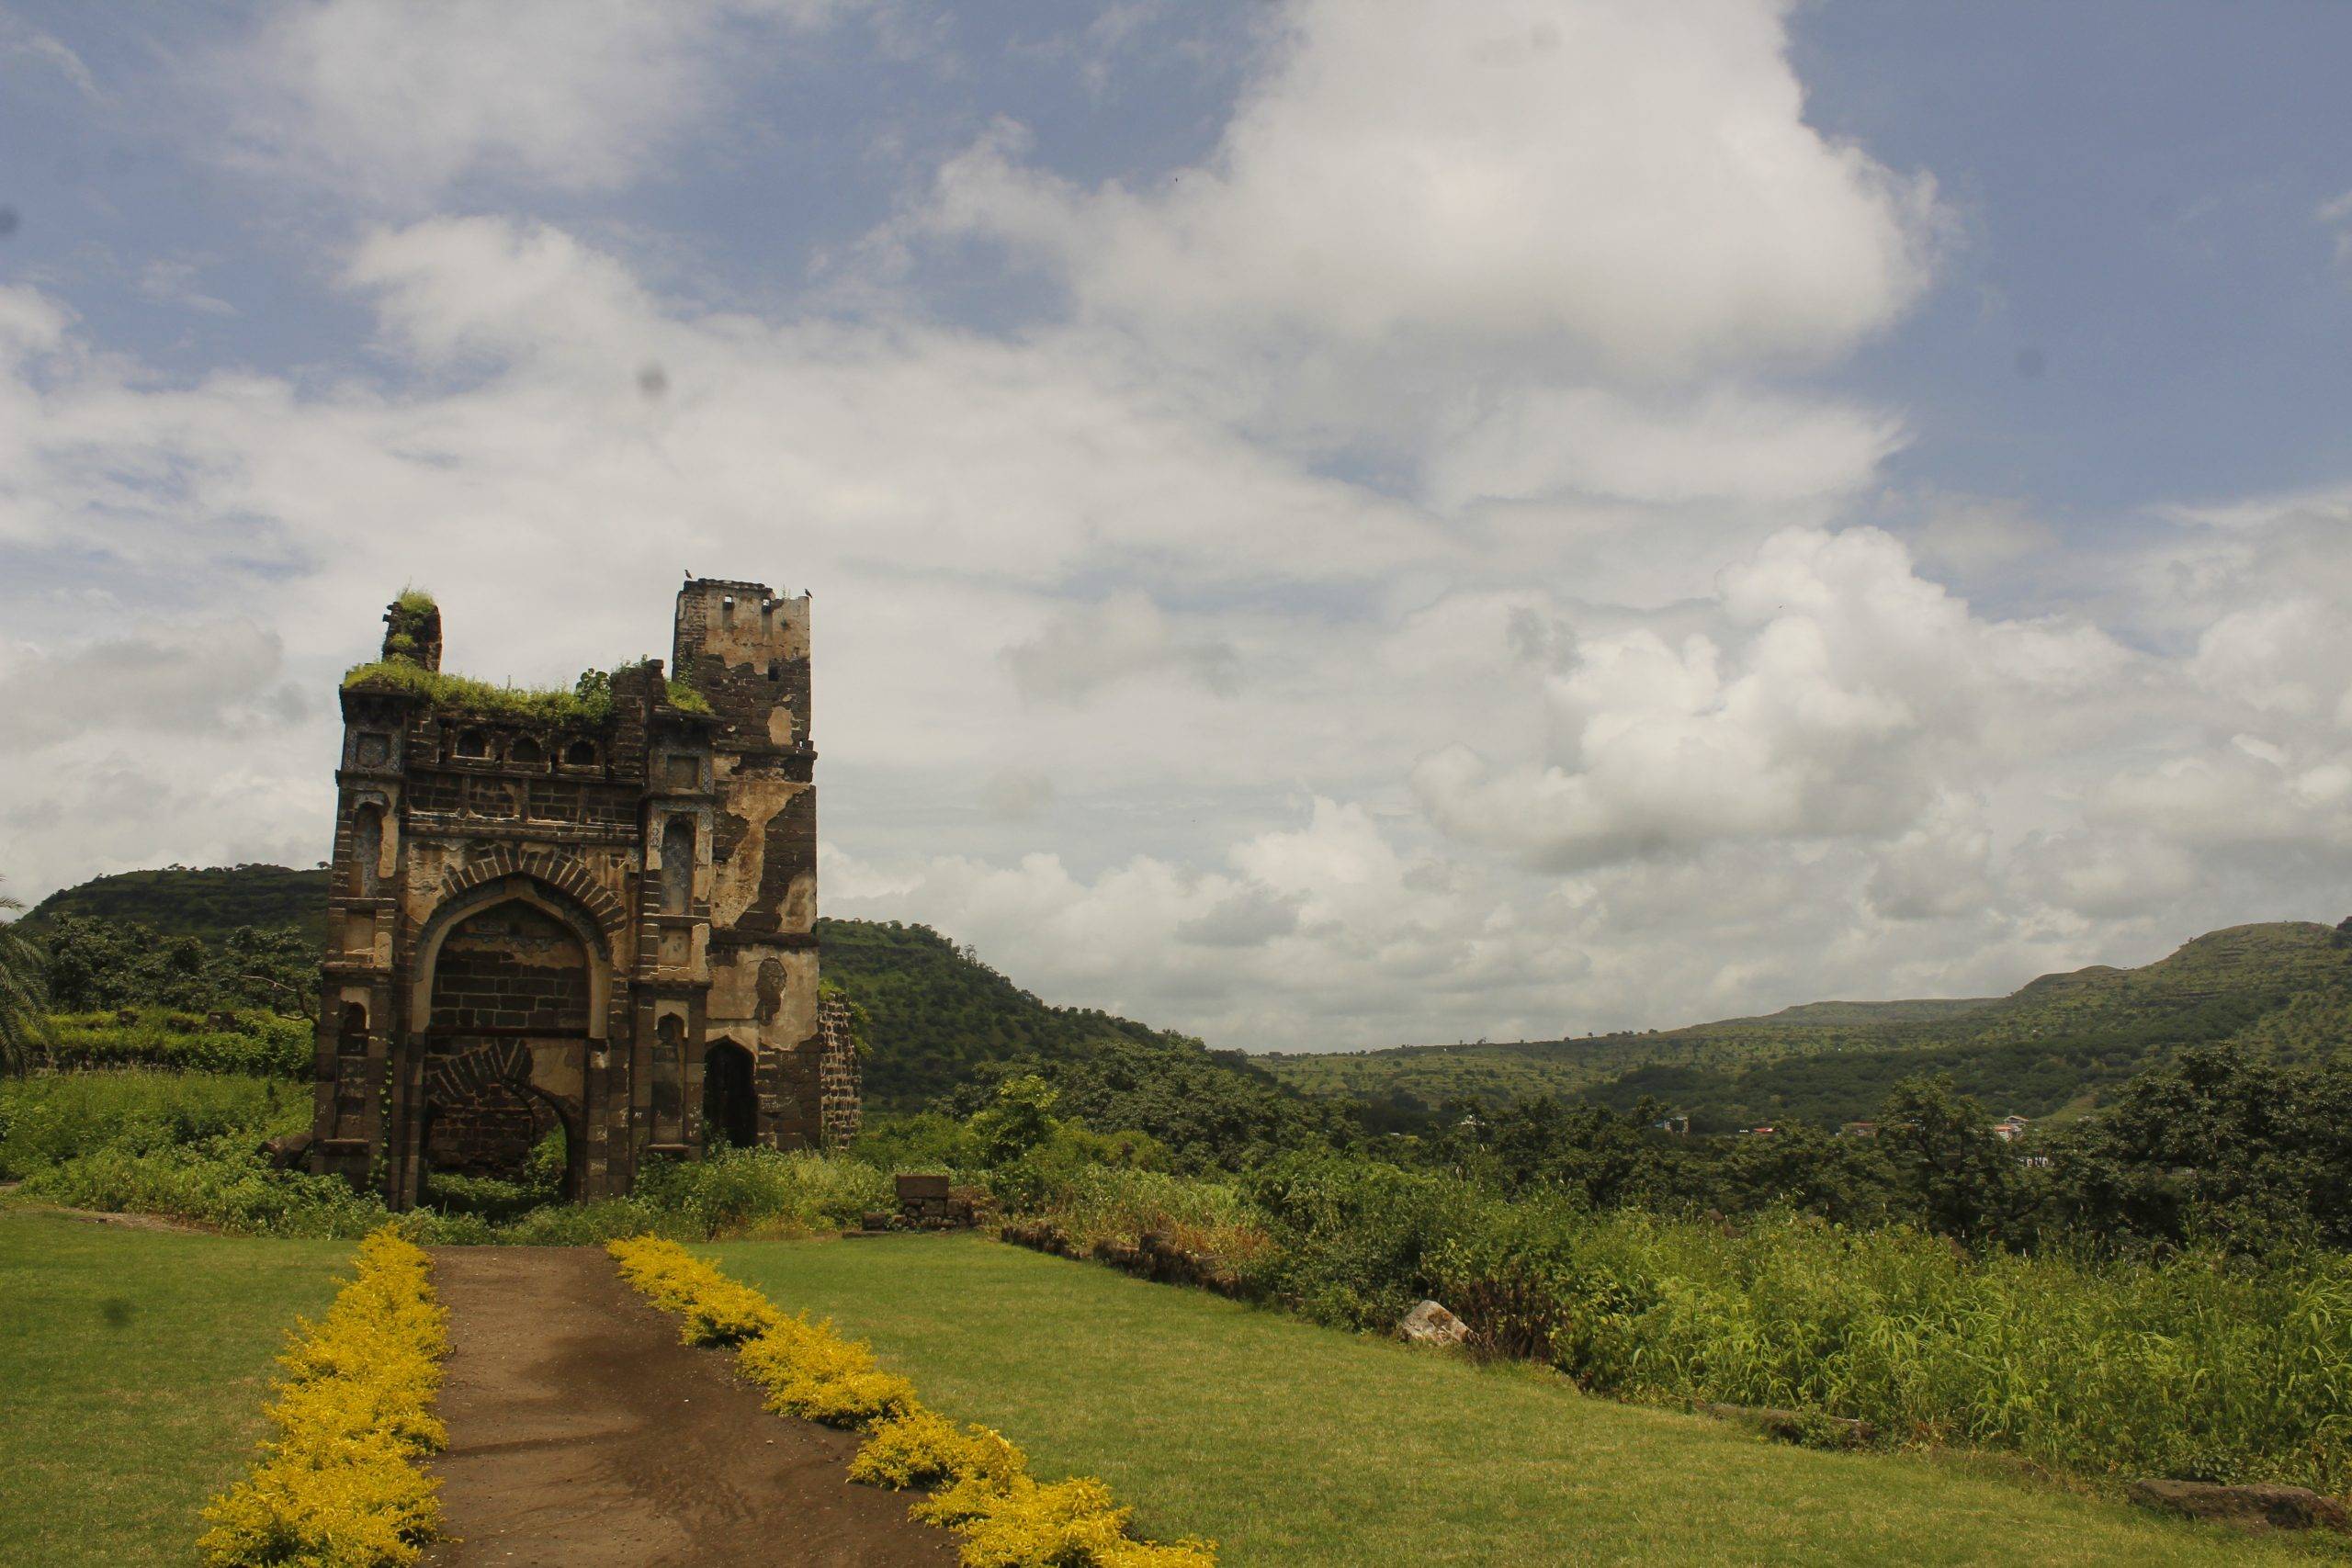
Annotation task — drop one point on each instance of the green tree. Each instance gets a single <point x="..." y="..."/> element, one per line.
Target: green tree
<point x="24" y="1002"/>
<point x="273" y="969"/>
<point x="1958" y="1178"/>
<point x="1020" y="1120"/>
<point x="2221" y="1144"/>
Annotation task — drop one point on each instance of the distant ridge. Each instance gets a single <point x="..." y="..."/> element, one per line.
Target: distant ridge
<point x="2055" y="1044"/>
<point x="937" y="1018"/>
<point x="940" y="1019"/>
<point x="207" y="902"/>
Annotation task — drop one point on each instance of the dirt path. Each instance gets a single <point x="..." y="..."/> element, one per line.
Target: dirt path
<point x="583" y="1434"/>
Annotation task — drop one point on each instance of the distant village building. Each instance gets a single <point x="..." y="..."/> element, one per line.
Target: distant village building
<point x="593" y="914"/>
<point x="2009" y="1129"/>
<point x="1859" y="1130"/>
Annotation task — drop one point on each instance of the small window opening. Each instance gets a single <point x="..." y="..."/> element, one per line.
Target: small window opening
<point x="474" y="743"/>
<point x="726" y="611"/>
<point x="526" y="750"/>
<point x="776" y="672"/>
<point x="677" y="866"/>
<point x="581" y="754"/>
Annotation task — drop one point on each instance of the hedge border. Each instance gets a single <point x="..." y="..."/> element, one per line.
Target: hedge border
<point x="978" y="1482"/>
<point x="341" y="1485"/>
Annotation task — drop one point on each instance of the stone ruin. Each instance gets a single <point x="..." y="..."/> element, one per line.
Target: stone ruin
<point x="601" y="922"/>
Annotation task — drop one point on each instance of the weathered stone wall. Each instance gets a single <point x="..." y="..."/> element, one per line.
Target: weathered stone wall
<point x="511" y="967"/>
<point x="489" y="1132"/>
<point x="838" y="1076"/>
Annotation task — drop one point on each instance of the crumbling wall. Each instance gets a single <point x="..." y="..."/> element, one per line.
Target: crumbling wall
<point x="838" y="1076"/>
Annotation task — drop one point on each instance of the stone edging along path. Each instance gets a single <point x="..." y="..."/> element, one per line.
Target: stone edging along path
<point x="582" y="1433"/>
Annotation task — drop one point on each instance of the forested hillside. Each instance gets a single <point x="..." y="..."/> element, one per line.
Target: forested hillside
<point x="943" y="1027"/>
<point x="937" y="1017"/>
<point x="186" y="901"/>
<point x="1413" y="1079"/>
<point x="2058" y="1042"/>
<point x="937" y="1021"/>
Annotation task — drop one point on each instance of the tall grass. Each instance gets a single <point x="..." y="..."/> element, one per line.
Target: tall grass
<point x="261" y="1043"/>
<point x="186" y="1146"/>
<point x="220" y="1183"/>
<point x="761" y="1192"/>
<point x="1205" y="1218"/>
<point x="48" y="1120"/>
<point x="2203" y="1366"/>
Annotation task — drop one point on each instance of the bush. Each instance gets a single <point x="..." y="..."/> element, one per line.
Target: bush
<point x="926" y="1141"/>
<point x="221" y="1183"/>
<point x="2205" y="1366"/>
<point x="340" y="1486"/>
<point x="923" y="1448"/>
<point x="1206" y="1219"/>
<point x="48" y="1120"/>
<point x="498" y="1199"/>
<point x="761" y="1192"/>
<point x="263" y="1045"/>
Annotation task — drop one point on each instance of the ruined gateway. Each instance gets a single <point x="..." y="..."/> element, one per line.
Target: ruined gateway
<point x="586" y="915"/>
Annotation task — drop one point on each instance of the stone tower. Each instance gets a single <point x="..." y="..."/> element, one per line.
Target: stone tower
<point x="593" y="913"/>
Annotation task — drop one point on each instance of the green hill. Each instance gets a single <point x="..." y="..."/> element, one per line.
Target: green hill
<point x="208" y="903"/>
<point x="2055" y="1045"/>
<point x="942" y="1024"/>
<point x="1410" y="1080"/>
<point x="939" y="1024"/>
<point x="937" y="1017"/>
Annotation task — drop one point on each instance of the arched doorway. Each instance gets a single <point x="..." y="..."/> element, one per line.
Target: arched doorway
<point x="511" y="996"/>
<point x="731" y="1107"/>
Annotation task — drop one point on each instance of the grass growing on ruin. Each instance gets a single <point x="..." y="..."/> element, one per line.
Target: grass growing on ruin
<point x="1293" y="1444"/>
<point x="550" y="705"/>
<point x="134" y="1368"/>
<point x="587" y="702"/>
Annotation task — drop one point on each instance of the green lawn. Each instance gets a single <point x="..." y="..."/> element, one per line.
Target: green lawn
<point x="1297" y="1445"/>
<point x="134" y="1365"/>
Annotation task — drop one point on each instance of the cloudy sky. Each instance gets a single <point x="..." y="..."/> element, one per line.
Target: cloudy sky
<point x="1332" y="522"/>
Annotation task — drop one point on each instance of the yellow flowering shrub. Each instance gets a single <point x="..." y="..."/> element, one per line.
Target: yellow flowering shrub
<point x="1030" y="1522"/>
<point x="717" y="1309"/>
<point x="340" y="1485"/>
<point x="812" y="1372"/>
<point x="983" y="1488"/>
<point x="924" y="1447"/>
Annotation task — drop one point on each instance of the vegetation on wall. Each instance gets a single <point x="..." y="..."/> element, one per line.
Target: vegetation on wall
<point x="583" y="704"/>
<point x="587" y="704"/>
